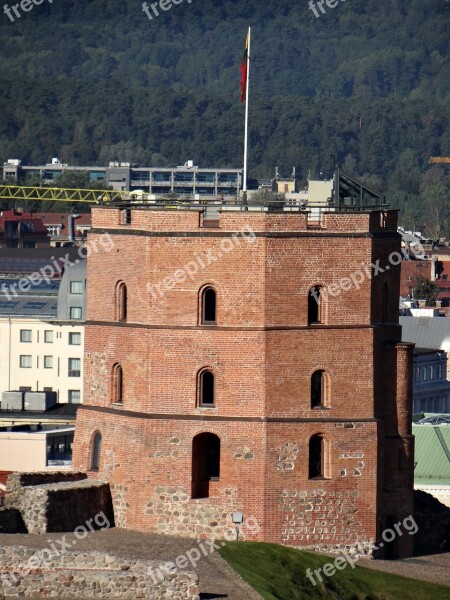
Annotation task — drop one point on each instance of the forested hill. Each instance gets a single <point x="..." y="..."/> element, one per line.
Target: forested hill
<point x="96" y="80"/>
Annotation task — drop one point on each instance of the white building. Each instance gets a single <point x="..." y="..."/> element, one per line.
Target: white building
<point x="29" y="451"/>
<point x="42" y="355"/>
<point x="42" y="335"/>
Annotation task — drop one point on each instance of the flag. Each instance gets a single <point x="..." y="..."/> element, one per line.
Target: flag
<point x="244" y="70"/>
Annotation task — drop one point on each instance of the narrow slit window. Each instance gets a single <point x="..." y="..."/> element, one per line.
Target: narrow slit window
<point x="117" y="385"/>
<point x="207" y="389"/>
<point x="121" y="302"/>
<point x="96" y="450"/>
<point x="316" y="457"/>
<point x="209" y="299"/>
<point x="315" y="306"/>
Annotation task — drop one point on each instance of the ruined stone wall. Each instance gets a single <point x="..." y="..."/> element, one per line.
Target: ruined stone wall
<point x="24" y="573"/>
<point x="57" y="502"/>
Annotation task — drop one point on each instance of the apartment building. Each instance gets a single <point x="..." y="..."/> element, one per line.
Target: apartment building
<point x="42" y="334"/>
<point x="184" y="180"/>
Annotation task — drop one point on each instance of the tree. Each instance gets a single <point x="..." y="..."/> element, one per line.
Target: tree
<point x="426" y="290"/>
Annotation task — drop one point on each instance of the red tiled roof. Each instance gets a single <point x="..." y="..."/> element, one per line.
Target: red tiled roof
<point x="14" y="216"/>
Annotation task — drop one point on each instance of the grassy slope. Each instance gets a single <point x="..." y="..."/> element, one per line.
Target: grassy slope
<point x="278" y="573"/>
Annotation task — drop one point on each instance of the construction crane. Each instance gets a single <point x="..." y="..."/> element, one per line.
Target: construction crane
<point x="75" y="195"/>
<point x="24" y="193"/>
<point x="439" y="160"/>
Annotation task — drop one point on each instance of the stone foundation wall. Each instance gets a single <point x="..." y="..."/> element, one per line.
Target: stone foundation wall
<point x="56" y="502"/>
<point x="175" y="513"/>
<point x="24" y="573"/>
<point x="17" y="481"/>
<point x="320" y="516"/>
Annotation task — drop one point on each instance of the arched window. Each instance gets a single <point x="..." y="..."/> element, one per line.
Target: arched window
<point x="117" y="384"/>
<point x="320" y="389"/>
<point x="206" y="392"/>
<point x="385" y="304"/>
<point x="318" y="457"/>
<point x="121" y="301"/>
<point x="205" y="463"/>
<point x="96" y="450"/>
<point x="315" y="306"/>
<point x="208" y="306"/>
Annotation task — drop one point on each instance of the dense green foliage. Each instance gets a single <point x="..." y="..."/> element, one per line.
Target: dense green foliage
<point x="368" y="81"/>
<point x="279" y="573"/>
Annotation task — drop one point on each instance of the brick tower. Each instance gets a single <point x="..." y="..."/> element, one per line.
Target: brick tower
<point x="252" y="363"/>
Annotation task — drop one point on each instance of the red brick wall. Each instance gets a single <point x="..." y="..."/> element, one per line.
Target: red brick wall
<point x="262" y="353"/>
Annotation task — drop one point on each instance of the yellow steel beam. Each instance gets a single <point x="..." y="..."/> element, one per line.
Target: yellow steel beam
<point x="24" y="193"/>
<point x="439" y="160"/>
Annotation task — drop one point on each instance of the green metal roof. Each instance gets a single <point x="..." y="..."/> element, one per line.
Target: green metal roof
<point x="432" y="454"/>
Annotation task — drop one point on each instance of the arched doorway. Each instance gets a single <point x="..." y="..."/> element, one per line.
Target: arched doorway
<point x="205" y="463"/>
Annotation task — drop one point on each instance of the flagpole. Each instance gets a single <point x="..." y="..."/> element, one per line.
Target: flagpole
<point x="244" y="183"/>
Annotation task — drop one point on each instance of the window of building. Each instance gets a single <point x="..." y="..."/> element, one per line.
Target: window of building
<point x="26" y="335"/>
<point x="209" y="306"/>
<point x="424" y="373"/>
<point x="74" y="397"/>
<point x="25" y="361"/>
<point x="96" y="450"/>
<point x="76" y="287"/>
<point x="121" y="301"/>
<point x="74" y="367"/>
<point x="75" y="339"/>
<point x="126" y="216"/>
<point x="48" y="337"/>
<point x="117" y="385"/>
<point x="48" y="362"/>
<point x="76" y="312"/>
<point x="206" y="389"/>
<point x="318" y="458"/>
<point x="320" y="389"/>
<point x="205" y="463"/>
<point x="315" y="306"/>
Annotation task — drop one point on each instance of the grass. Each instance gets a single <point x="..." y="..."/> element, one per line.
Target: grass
<point x="279" y="573"/>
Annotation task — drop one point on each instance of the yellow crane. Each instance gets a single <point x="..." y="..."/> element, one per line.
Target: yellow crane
<point x="24" y="193"/>
<point x="74" y="195"/>
<point x="439" y="160"/>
